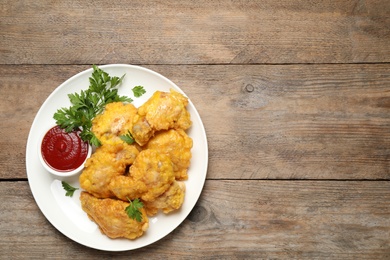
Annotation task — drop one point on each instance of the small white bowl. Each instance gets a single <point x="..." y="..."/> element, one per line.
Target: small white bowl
<point x="60" y="173"/>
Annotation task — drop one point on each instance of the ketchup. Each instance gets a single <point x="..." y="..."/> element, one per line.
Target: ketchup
<point x="63" y="151"/>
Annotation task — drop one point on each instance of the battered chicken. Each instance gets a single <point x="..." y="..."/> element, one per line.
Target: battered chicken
<point x="116" y="120"/>
<point x="177" y="145"/>
<point x="150" y="176"/>
<point x="110" y="216"/>
<point x="171" y="200"/>
<point x="107" y="161"/>
<point x="117" y="171"/>
<point x="161" y="112"/>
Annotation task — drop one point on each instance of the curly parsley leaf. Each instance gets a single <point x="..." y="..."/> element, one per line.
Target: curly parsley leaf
<point x="68" y="188"/>
<point x="138" y="91"/>
<point x="133" y="210"/>
<point x="128" y="138"/>
<point x="87" y="104"/>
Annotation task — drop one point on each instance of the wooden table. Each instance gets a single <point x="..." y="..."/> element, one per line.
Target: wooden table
<point x="294" y="96"/>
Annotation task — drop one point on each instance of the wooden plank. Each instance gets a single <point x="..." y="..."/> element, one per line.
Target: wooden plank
<point x="262" y="122"/>
<point x="233" y="219"/>
<point x="312" y="122"/>
<point x="194" y="32"/>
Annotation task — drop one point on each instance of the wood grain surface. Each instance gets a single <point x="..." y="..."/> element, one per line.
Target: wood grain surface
<point x="194" y="32"/>
<point x="294" y="96"/>
<point x="262" y="121"/>
<point x="233" y="219"/>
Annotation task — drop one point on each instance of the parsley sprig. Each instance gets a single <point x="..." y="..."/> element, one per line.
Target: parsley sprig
<point x="133" y="210"/>
<point x="89" y="103"/>
<point x="128" y="138"/>
<point x="68" y="188"/>
<point x="138" y="91"/>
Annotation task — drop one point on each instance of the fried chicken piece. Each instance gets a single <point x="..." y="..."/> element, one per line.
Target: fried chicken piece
<point x="171" y="200"/>
<point x="161" y="112"/>
<point x="111" y="217"/>
<point x="150" y="176"/>
<point x="116" y="120"/>
<point x="124" y="187"/>
<point x="177" y="145"/>
<point x="107" y="161"/>
<point x="126" y="153"/>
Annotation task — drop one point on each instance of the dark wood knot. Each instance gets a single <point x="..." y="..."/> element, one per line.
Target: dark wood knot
<point x="197" y="214"/>
<point x="249" y="88"/>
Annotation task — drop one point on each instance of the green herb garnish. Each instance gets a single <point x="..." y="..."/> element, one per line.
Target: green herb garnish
<point x="89" y="103"/>
<point x="133" y="209"/>
<point x="138" y="91"/>
<point x="69" y="189"/>
<point x="128" y="138"/>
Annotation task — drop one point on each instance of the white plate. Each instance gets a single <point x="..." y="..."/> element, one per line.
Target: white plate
<point x="65" y="213"/>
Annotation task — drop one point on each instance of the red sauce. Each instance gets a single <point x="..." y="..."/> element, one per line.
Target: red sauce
<point x="63" y="151"/>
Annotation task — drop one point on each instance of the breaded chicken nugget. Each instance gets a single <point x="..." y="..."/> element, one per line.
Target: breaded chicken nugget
<point x="161" y="112"/>
<point x="107" y="161"/>
<point x="171" y="200"/>
<point x="111" y="217"/>
<point x="116" y="120"/>
<point x="150" y="176"/>
<point x="176" y="144"/>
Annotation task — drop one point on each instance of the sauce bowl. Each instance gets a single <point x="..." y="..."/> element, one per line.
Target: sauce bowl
<point x="63" y="154"/>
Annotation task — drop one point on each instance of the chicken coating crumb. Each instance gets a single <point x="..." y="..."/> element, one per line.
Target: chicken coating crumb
<point x="111" y="217"/>
<point x="150" y="176"/>
<point x="161" y="112"/>
<point x="176" y="144"/>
